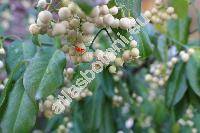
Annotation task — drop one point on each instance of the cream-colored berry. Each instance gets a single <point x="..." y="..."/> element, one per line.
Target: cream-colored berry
<point x="45" y="16"/>
<point x="70" y="71"/>
<point x="88" y="28"/>
<point x="174" y="60"/>
<point x="113" y="10"/>
<point x="1" y="64"/>
<point x="185" y="57"/>
<point x="59" y="29"/>
<point x="42" y="3"/>
<point x="119" y="61"/>
<point x="115" y="24"/>
<point x="108" y="19"/>
<point x="64" y="13"/>
<point x="147" y="14"/>
<point x="88" y="56"/>
<point x="133" y="44"/>
<point x="34" y="29"/>
<point x="158" y="2"/>
<point x="148" y="77"/>
<point x="135" y="52"/>
<point x="112" y="69"/>
<point x="154" y="11"/>
<point x="104" y="10"/>
<point x="125" y="23"/>
<point x="2" y="51"/>
<point x="191" y="51"/>
<point x="95" y="12"/>
<point x="170" y="10"/>
<point x="174" y="16"/>
<point x="126" y="55"/>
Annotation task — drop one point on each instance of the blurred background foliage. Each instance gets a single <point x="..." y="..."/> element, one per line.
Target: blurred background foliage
<point x="145" y="108"/>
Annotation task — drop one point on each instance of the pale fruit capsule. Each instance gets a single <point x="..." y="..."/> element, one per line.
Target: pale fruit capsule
<point x="125" y="23"/>
<point x="34" y="29"/>
<point x="99" y="21"/>
<point x="59" y="29"/>
<point x="88" y="56"/>
<point x="158" y="2"/>
<point x="119" y="62"/>
<point x="147" y="14"/>
<point x="104" y="10"/>
<point x="148" y="77"/>
<point x="133" y="44"/>
<point x="132" y="22"/>
<point x="64" y="13"/>
<point x="174" y="60"/>
<point x="1" y="64"/>
<point x="191" y="51"/>
<point x="174" y="16"/>
<point x="74" y="23"/>
<point x="70" y="71"/>
<point x="111" y="56"/>
<point x="108" y="19"/>
<point x="41" y="3"/>
<point x="185" y="57"/>
<point x="112" y="69"/>
<point x="113" y="10"/>
<point x="170" y="10"/>
<point x="135" y="52"/>
<point x="115" y="24"/>
<point x="95" y="12"/>
<point x="45" y="16"/>
<point x="2" y="51"/>
<point x="88" y="28"/>
<point x="126" y="55"/>
<point x="154" y="11"/>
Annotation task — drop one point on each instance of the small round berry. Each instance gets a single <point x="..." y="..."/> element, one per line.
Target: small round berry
<point x="115" y="24"/>
<point x="42" y="3"/>
<point x="191" y="51"/>
<point x="174" y="60"/>
<point x="113" y="10"/>
<point x="158" y="2"/>
<point x="95" y="12"/>
<point x="126" y="55"/>
<point x="1" y="64"/>
<point x="2" y="51"/>
<point x="147" y="14"/>
<point x="125" y="23"/>
<point x="132" y="22"/>
<point x="119" y="61"/>
<point x="70" y="71"/>
<point x="174" y="16"/>
<point x="154" y="11"/>
<point x="108" y="19"/>
<point x="185" y="57"/>
<point x="34" y="29"/>
<point x="170" y="10"/>
<point x="133" y="44"/>
<point x="88" y="28"/>
<point x="104" y="10"/>
<point x="64" y="13"/>
<point x="112" y="69"/>
<point x="45" y="16"/>
<point x="59" y="29"/>
<point x="135" y="52"/>
<point x="148" y="77"/>
<point x="88" y="56"/>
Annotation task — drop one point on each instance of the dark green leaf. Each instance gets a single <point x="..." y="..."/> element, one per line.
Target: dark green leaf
<point x="20" y="114"/>
<point x="181" y="7"/>
<point x="193" y="71"/>
<point x="44" y="74"/>
<point x="176" y="85"/>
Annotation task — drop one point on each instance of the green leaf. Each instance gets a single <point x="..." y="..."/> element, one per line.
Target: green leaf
<point x="193" y="72"/>
<point x="145" y="45"/>
<point x="133" y="7"/>
<point x="9" y="85"/>
<point x="86" y="8"/>
<point x="181" y="7"/>
<point x="178" y="31"/>
<point x="20" y="114"/>
<point x="176" y="85"/>
<point x="18" y="51"/>
<point x="162" y="49"/>
<point x="44" y="74"/>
